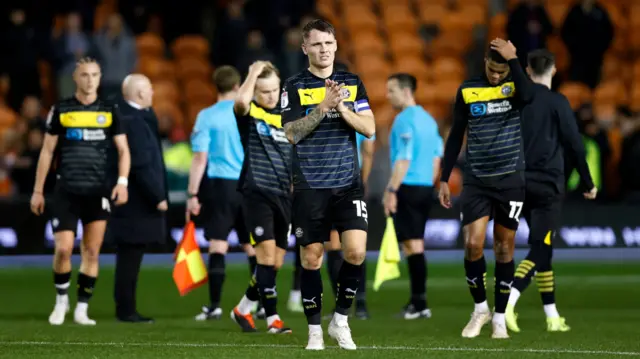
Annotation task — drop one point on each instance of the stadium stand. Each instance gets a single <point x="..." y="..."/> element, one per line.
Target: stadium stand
<point x="439" y="41"/>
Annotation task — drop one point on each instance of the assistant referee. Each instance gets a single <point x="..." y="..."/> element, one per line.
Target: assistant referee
<point x="80" y="132"/>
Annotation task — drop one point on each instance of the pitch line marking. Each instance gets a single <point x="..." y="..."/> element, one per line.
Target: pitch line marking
<point x="290" y="346"/>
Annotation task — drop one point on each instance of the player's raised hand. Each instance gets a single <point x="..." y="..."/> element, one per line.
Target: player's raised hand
<point x="445" y="195"/>
<point x="592" y="194"/>
<point x="258" y="66"/>
<point x="37" y="203"/>
<point x="504" y="48"/>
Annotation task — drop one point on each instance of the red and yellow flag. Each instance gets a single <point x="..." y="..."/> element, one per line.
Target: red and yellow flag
<point x="189" y="272"/>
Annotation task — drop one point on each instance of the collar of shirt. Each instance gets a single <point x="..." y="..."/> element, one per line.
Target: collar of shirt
<point x="134" y="105"/>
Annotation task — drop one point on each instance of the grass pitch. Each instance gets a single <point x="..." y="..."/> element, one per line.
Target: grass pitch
<point x="599" y="300"/>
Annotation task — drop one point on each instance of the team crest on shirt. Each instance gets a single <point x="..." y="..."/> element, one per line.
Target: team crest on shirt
<point x="284" y="99"/>
<point x="346" y="93"/>
<point x="101" y="119"/>
<point x="506" y="90"/>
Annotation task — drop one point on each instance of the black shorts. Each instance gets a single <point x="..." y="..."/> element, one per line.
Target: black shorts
<point x="222" y="210"/>
<point x="502" y="205"/>
<point x="543" y="211"/>
<point x="412" y="212"/>
<point x="67" y="208"/>
<point x="317" y="211"/>
<point x="267" y="216"/>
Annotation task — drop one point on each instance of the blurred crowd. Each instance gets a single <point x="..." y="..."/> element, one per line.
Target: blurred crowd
<point x="240" y="32"/>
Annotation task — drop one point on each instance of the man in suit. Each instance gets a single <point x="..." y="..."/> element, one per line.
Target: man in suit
<point x="141" y="222"/>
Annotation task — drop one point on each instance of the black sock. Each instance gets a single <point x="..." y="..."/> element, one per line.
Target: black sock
<point x="334" y="261"/>
<point x="216" y="278"/>
<point x="252" y="264"/>
<point x="252" y="292"/>
<point x="348" y="279"/>
<point x="312" y="295"/>
<point x="418" y="276"/>
<point x="85" y="287"/>
<point x="297" y="270"/>
<point x="546" y="285"/>
<point x="266" y="276"/>
<point x="61" y="281"/>
<point x="476" y="273"/>
<point x="504" y="281"/>
<point x="362" y="285"/>
<point x="524" y="273"/>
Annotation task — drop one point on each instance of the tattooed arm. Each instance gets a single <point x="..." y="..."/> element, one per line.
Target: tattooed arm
<point x="299" y="129"/>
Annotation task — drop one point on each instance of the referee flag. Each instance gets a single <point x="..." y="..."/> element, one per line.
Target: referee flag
<point x="388" y="258"/>
<point x="189" y="272"/>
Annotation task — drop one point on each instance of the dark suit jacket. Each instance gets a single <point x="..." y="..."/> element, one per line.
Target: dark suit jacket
<point x="138" y="221"/>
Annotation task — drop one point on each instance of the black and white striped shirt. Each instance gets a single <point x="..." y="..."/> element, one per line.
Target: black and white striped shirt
<point x="328" y="156"/>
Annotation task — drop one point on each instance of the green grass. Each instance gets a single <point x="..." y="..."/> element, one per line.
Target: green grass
<point x="599" y="300"/>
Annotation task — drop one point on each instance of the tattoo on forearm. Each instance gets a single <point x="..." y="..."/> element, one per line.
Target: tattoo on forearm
<point x="299" y="129"/>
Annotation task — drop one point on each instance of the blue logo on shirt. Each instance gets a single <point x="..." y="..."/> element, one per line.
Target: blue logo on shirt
<point x="478" y="109"/>
<point x="74" y="134"/>
<point x="263" y="129"/>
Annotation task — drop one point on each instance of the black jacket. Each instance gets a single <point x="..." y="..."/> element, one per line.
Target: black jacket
<point x="138" y="221"/>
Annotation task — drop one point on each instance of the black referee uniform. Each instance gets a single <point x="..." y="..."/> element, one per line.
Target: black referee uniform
<point x="85" y="142"/>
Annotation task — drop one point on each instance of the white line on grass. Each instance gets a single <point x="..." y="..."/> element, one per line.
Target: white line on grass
<point x="285" y="346"/>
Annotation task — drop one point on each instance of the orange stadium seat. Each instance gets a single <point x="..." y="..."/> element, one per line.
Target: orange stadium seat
<point x="415" y="66"/>
<point x="350" y="9"/>
<point x="454" y="44"/>
<point x="170" y="110"/>
<point x="440" y="112"/>
<point x="426" y="93"/>
<point x="390" y="3"/>
<point x="473" y="14"/>
<point x="446" y="92"/>
<point x="190" y="45"/>
<point x="368" y="42"/>
<point x="406" y="44"/>
<point x="615" y="68"/>
<point x="576" y="93"/>
<point x="156" y="68"/>
<point x="634" y="98"/>
<point x="371" y="65"/>
<point x="166" y="90"/>
<point x="558" y="48"/>
<point x="376" y="89"/>
<point x="430" y="14"/>
<point x="150" y="44"/>
<point x="365" y="21"/>
<point x="385" y="115"/>
<point x="193" y="67"/>
<point x="199" y="91"/>
<point x="610" y="93"/>
<point x="455" y="21"/>
<point x="7" y="116"/>
<point x="399" y="18"/>
<point x="447" y="68"/>
<point x="497" y="27"/>
<point x="557" y="11"/>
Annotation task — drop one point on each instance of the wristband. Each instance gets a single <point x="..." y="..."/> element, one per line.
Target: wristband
<point x="391" y="190"/>
<point x="191" y="195"/>
<point x="123" y="181"/>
